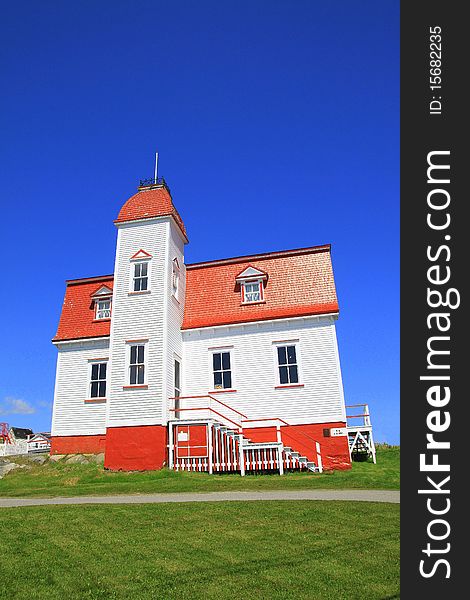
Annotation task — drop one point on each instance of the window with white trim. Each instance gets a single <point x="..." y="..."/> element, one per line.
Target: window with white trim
<point x="252" y="291"/>
<point x="136" y="364"/>
<point x="141" y="276"/>
<point x="287" y="364"/>
<point x="103" y="308"/>
<point x="177" y="378"/>
<point x="175" y="278"/>
<point x="98" y="379"/>
<point x="222" y="370"/>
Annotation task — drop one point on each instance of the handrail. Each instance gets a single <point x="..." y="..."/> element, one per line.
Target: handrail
<point x="207" y="396"/>
<point x="206" y="408"/>
<point x="357" y="416"/>
<point x="354" y="405"/>
<point x="265" y="419"/>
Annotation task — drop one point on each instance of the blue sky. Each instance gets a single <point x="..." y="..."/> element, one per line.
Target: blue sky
<point x="277" y="125"/>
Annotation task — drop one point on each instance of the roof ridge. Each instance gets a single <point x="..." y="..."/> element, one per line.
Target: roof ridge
<point x="248" y="257"/>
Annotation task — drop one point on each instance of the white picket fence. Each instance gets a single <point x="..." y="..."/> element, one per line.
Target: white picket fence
<point x="20" y="447"/>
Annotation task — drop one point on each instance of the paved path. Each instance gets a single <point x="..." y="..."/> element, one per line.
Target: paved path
<point x="358" y="495"/>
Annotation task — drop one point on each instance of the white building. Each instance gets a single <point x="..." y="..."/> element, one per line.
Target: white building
<point x="224" y="365"/>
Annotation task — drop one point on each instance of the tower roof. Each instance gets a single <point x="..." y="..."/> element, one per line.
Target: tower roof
<point x="149" y="202"/>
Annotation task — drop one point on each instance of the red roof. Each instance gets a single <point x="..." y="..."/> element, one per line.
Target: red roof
<point x="148" y="203"/>
<point x="78" y="314"/>
<point x="300" y="282"/>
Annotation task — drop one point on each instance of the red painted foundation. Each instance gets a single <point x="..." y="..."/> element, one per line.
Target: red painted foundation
<point x="301" y="438"/>
<point x="78" y="444"/>
<point x="142" y="448"/>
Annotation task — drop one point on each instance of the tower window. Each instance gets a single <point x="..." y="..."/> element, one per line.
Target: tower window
<point x="137" y="364"/>
<point x="175" y="278"/>
<point x="141" y="276"/>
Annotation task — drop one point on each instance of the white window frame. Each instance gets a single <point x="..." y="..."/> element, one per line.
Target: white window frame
<point x="129" y="345"/>
<point x="296" y="344"/>
<point x="259" y="281"/>
<point x="175" y="279"/>
<point x="177" y="359"/>
<point x="212" y="351"/>
<point x="98" y="310"/>
<point x="133" y="263"/>
<point x="97" y="361"/>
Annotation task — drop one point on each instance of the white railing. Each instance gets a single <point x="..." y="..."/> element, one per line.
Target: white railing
<point x="364" y="416"/>
<point x="206" y="407"/>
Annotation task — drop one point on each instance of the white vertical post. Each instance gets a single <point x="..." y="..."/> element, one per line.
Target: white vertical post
<point x="170" y="445"/>
<point x="319" y="460"/>
<point x="278" y="433"/>
<point x="281" y="463"/>
<point x="242" y="457"/>
<point x="156" y="168"/>
<point x="209" y="445"/>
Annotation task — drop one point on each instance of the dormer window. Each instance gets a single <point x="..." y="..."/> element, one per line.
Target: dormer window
<point x="252" y="292"/>
<point x="252" y="283"/>
<point x="103" y="308"/>
<point x="102" y="299"/>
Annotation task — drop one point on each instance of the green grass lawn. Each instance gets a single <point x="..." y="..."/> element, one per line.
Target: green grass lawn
<point x="253" y="550"/>
<point x="60" y="479"/>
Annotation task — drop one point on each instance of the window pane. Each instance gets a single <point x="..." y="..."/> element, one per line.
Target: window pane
<point x="133" y="375"/>
<point x="102" y="370"/>
<point x="293" y="374"/>
<point x="291" y="355"/>
<point x="281" y="354"/>
<point x="102" y="389"/>
<point x="216" y="361"/>
<point x="94" y="389"/>
<point x="283" y="376"/>
<point x="225" y="360"/>
<point x="140" y="354"/>
<point x="136" y="285"/>
<point x="217" y="380"/>
<point x="133" y="355"/>
<point x="144" y="269"/>
<point x="137" y="270"/>
<point x="177" y="375"/>
<point x="227" y="378"/>
<point x="140" y="374"/>
<point x="94" y="371"/>
<point x="143" y="284"/>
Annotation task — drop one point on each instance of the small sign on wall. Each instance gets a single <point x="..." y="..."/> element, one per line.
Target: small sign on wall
<point x="338" y="431"/>
<point x="183" y="436"/>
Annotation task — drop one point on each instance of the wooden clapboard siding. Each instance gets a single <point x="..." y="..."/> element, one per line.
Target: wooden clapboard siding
<point x="136" y="317"/>
<point x="71" y="414"/>
<point x="319" y="400"/>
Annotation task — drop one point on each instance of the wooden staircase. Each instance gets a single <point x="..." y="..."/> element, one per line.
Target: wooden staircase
<point x="218" y="444"/>
<point x="360" y="438"/>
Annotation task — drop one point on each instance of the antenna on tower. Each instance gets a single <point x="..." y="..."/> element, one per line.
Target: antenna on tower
<point x="156" y="168"/>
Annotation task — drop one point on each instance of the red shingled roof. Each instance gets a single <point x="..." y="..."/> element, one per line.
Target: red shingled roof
<point x="78" y="314"/>
<point x="150" y="202"/>
<point x="300" y="282"/>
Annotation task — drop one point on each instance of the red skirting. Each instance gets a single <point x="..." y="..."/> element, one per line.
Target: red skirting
<point x="142" y="448"/>
<point x="334" y="450"/>
<point x="78" y="444"/>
